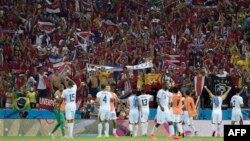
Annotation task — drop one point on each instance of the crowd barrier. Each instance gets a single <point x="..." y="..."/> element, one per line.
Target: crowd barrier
<point x="204" y="114"/>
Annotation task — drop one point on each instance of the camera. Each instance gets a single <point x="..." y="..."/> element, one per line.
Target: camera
<point x="23" y="114"/>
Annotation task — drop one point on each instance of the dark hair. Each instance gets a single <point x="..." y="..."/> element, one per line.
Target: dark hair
<point x="103" y="86"/>
<point x="175" y="89"/>
<point x="218" y="93"/>
<point x="70" y="83"/>
<point x="188" y="93"/>
<point x="237" y="90"/>
<point x="134" y="91"/>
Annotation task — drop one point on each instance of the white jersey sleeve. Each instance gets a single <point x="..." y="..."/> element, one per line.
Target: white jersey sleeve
<point x="159" y="94"/>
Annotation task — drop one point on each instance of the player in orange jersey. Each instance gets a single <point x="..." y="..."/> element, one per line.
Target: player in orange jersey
<point x="177" y="109"/>
<point x="190" y="112"/>
<point x="113" y="117"/>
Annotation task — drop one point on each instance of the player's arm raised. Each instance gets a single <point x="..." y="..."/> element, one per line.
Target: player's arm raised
<point x="224" y="96"/>
<point x="69" y="79"/>
<point x="209" y="92"/>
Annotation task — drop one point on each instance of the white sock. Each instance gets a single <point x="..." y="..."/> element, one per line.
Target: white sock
<point x="179" y="127"/>
<point x="213" y="127"/>
<point x="69" y="124"/>
<point x="143" y="128"/>
<point x="114" y="130"/>
<point x="106" y="129"/>
<point x="192" y="127"/>
<point x="136" y="130"/>
<point x="218" y="129"/>
<point x="130" y="126"/>
<point x="171" y="130"/>
<point x="146" y="128"/>
<point x="99" y="129"/>
<point x="154" y="130"/>
<point x="70" y="129"/>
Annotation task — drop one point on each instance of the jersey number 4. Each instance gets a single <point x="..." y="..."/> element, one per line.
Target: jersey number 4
<point x="105" y="99"/>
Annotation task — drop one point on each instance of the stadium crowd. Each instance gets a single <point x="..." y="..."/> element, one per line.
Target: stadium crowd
<point x="182" y="38"/>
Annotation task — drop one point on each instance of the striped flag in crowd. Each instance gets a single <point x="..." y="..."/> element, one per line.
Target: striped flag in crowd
<point x="46" y="26"/>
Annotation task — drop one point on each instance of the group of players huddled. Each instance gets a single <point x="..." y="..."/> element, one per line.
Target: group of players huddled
<point x="174" y="108"/>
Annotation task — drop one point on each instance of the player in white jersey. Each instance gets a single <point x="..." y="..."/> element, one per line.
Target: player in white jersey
<point x="144" y="111"/>
<point x="103" y="98"/>
<point x="217" y="100"/>
<point x="237" y="102"/>
<point x="133" y="105"/>
<point x="69" y="94"/>
<point x="163" y="111"/>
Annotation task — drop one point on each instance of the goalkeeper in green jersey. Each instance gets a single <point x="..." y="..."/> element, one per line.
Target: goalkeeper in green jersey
<point x="59" y="112"/>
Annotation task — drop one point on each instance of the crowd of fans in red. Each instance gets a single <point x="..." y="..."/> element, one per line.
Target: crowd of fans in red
<point x="208" y="36"/>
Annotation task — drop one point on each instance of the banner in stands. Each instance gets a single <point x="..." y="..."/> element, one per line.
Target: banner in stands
<point x="42" y="127"/>
<point x="152" y="80"/>
<point x="46" y="103"/>
<point x="199" y="84"/>
<point x="92" y="67"/>
<point x="219" y="83"/>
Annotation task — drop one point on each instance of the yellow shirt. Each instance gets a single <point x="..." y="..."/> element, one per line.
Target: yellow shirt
<point x="234" y="58"/>
<point x="32" y="96"/>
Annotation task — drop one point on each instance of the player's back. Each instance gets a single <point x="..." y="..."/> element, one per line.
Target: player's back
<point x="144" y="101"/>
<point x="133" y="102"/>
<point x="112" y="101"/>
<point x="177" y="103"/>
<point x="217" y="103"/>
<point x="236" y="102"/>
<point x="104" y="100"/>
<point x="70" y="95"/>
<point x="164" y="98"/>
<point x="190" y="106"/>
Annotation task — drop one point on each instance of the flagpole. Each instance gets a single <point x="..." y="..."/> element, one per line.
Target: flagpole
<point x="197" y="105"/>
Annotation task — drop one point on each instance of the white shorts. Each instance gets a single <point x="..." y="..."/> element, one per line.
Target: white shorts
<point x="216" y="117"/>
<point x="70" y="110"/>
<point x="176" y="118"/>
<point x="144" y="115"/>
<point x="133" y="116"/>
<point x="236" y="115"/>
<point x="186" y="119"/>
<point x="162" y="117"/>
<point x="104" y="115"/>
<point x="113" y="115"/>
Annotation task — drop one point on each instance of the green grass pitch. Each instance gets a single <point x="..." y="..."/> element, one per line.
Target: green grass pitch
<point x="106" y="139"/>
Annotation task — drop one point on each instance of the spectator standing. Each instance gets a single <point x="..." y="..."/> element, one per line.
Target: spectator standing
<point x="32" y="94"/>
<point x="8" y="99"/>
<point x="56" y="81"/>
<point x="93" y="83"/>
<point x="41" y="85"/>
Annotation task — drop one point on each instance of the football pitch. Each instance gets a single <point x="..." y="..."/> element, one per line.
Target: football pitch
<point x="106" y="139"/>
